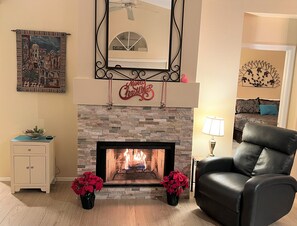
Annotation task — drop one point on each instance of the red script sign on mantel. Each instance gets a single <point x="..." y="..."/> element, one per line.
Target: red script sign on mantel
<point x="137" y="88"/>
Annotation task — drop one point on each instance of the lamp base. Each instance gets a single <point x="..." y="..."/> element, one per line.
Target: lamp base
<point x="212" y="144"/>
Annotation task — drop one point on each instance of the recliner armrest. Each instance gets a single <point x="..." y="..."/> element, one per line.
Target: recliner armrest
<point x="266" y="198"/>
<point x="260" y="181"/>
<point x="210" y="164"/>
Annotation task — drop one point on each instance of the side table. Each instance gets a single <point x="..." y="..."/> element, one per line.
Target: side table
<point x="32" y="163"/>
<point x="195" y="160"/>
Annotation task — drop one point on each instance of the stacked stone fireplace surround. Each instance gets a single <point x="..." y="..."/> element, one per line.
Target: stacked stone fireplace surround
<point x="144" y="124"/>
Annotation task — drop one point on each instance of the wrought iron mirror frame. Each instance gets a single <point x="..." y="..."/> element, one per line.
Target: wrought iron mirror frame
<point x="154" y="75"/>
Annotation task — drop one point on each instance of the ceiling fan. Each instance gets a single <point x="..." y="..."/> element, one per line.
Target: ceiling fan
<point x="124" y="4"/>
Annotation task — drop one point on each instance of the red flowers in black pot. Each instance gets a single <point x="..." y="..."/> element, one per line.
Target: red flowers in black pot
<point x="85" y="186"/>
<point x="175" y="184"/>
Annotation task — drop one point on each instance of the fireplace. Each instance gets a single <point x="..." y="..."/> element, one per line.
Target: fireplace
<point x="135" y="125"/>
<point x="134" y="163"/>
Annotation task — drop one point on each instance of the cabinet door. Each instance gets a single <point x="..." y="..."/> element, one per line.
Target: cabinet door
<point x="37" y="166"/>
<point x="21" y="169"/>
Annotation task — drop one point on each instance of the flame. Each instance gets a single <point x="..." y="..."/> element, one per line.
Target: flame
<point x="134" y="157"/>
<point x="140" y="157"/>
<point x="127" y="156"/>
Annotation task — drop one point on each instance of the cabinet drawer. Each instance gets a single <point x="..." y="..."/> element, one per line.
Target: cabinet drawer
<point x="28" y="149"/>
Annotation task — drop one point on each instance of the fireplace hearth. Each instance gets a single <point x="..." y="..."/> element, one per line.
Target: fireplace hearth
<point x="134" y="163"/>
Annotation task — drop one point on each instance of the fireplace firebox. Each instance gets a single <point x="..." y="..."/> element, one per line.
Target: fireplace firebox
<point x="134" y="163"/>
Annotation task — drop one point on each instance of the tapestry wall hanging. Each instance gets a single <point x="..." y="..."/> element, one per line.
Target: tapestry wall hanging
<point x="259" y="73"/>
<point x="41" y="61"/>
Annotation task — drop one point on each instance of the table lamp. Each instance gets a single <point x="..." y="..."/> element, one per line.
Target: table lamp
<point x="215" y="127"/>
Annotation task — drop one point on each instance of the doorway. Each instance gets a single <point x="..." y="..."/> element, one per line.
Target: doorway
<point x="287" y="77"/>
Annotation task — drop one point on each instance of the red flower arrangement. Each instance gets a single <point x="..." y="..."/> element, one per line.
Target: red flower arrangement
<point x="87" y="184"/>
<point x="175" y="182"/>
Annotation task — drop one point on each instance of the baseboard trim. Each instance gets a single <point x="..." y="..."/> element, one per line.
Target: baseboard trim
<point x="65" y="178"/>
<point x="57" y="179"/>
<point x="4" y="178"/>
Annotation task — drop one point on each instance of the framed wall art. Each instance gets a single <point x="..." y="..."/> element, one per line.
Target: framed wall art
<point x="41" y="61"/>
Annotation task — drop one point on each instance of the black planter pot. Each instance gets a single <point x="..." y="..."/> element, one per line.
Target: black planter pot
<point x="172" y="199"/>
<point x="87" y="201"/>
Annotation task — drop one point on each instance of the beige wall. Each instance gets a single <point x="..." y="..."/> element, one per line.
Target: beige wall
<point x="57" y="112"/>
<point x="22" y="110"/>
<point x="217" y="70"/>
<point x="220" y="40"/>
<point x="276" y="59"/>
<point x="219" y="44"/>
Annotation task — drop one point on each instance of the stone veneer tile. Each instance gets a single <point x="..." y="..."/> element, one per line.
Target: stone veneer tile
<point x="97" y="123"/>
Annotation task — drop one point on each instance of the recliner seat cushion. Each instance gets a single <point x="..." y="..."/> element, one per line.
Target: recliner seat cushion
<point x="224" y="187"/>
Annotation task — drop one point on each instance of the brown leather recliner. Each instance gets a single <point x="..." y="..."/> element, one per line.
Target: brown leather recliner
<point x="254" y="187"/>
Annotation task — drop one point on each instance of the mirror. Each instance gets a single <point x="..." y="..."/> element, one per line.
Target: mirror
<point x="139" y="34"/>
<point x="138" y="39"/>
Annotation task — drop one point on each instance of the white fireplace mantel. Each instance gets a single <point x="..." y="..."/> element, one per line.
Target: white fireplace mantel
<point x="91" y="91"/>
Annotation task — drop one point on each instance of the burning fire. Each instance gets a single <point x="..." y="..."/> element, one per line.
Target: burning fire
<point x="134" y="158"/>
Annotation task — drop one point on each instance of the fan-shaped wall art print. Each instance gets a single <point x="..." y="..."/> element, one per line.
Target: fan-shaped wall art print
<point x="259" y="73"/>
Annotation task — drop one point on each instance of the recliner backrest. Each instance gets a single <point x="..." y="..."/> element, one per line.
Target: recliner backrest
<point x="265" y="149"/>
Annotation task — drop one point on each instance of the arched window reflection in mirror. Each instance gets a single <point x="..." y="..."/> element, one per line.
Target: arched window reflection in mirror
<point x="128" y="41"/>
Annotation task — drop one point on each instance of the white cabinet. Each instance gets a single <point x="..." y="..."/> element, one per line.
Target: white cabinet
<point x="32" y="163"/>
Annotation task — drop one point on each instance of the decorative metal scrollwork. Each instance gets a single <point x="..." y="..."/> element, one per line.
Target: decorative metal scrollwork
<point x="117" y="73"/>
<point x="259" y="73"/>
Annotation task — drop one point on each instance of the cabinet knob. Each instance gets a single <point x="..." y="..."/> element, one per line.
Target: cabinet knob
<point x="29" y="149"/>
<point x="32" y="167"/>
<point x="27" y="167"/>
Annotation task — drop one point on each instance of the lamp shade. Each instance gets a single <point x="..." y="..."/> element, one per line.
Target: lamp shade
<point x="213" y="126"/>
